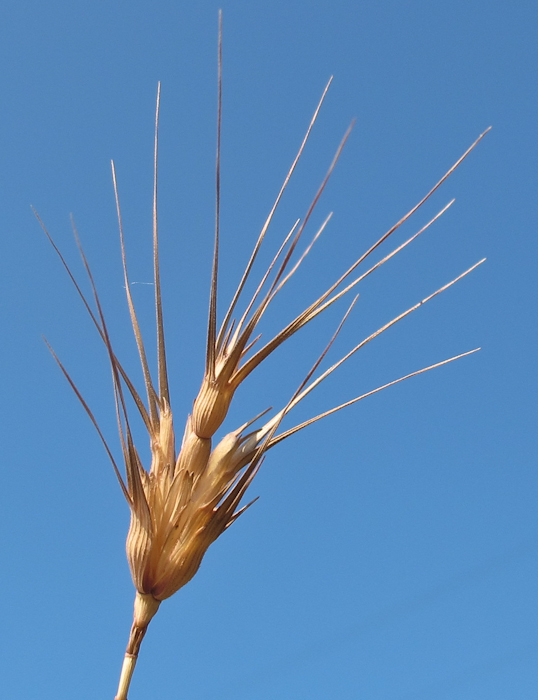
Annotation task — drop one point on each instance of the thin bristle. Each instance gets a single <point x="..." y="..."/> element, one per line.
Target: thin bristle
<point x="323" y="301"/>
<point x="164" y="392"/>
<point x="291" y="403"/>
<point x="284" y="264"/>
<point x="409" y="213"/>
<point x="312" y="206"/>
<point x="316" y="310"/>
<point x="212" y="321"/>
<point x="130" y="386"/>
<point x="277" y="287"/>
<point x="138" y="503"/>
<point x="150" y="390"/>
<point x="92" y="418"/>
<point x="265" y="278"/>
<point x="310" y="421"/>
<point x="279" y="282"/>
<point x="381" y="330"/>
<point x="269" y="219"/>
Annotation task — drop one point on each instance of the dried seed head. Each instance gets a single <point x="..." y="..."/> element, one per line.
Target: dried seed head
<point x="179" y="511"/>
<point x="185" y="501"/>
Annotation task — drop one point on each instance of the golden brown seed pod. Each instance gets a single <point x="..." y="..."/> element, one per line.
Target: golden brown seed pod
<point x="211" y="406"/>
<point x="194" y="453"/>
<point x="138" y="548"/>
<point x="221" y="461"/>
<point x="163" y="450"/>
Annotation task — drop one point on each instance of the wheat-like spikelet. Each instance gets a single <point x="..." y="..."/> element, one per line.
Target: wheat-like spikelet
<point x="188" y="497"/>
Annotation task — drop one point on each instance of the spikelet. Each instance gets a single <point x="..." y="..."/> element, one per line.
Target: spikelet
<point x="186" y="499"/>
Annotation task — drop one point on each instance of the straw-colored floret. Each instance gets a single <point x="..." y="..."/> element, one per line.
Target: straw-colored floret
<point x="189" y="496"/>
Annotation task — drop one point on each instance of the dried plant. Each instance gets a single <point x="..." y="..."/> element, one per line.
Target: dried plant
<point x="187" y="498"/>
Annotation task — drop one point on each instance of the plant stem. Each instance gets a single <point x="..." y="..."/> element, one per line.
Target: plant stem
<point x="145" y="607"/>
<point x="127" y="670"/>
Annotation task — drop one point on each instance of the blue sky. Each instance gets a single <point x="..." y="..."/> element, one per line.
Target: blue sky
<point x="393" y="553"/>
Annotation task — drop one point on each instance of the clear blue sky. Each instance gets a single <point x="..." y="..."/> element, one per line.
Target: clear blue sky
<point x="393" y="553"/>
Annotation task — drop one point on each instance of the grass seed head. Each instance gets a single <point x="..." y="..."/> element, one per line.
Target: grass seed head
<point x="187" y="498"/>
